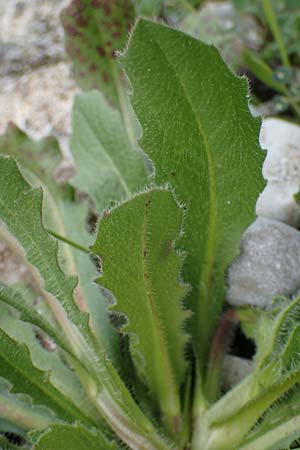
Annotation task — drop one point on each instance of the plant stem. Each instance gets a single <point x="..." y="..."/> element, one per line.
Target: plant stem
<point x="273" y="24"/>
<point x="68" y="241"/>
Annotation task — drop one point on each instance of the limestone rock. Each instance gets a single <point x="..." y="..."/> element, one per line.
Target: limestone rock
<point x="268" y="266"/>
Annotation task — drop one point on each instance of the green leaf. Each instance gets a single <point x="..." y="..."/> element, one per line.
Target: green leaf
<point x="198" y="131"/>
<point x="141" y="269"/>
<point x="19" y="410"/>
<point x="43" y="352"/>
<point x="73" y="437"/>
<point x="21" y="212"/>
<point x="94" y="30"/>
<point x="66" y="217"/>
<point x="109" y="168"/>
<point x="279" y="428"/>
<point x="27" y="379"/>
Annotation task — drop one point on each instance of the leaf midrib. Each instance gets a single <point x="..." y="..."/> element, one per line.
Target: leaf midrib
<point x="162" y="341"/>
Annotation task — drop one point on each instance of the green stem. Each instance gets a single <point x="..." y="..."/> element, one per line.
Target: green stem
<point x="273" y="24"/>
<point x="68" y="241"/>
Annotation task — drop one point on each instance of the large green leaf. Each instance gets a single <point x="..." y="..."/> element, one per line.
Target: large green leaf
<point x="198" y="130"/>
<point x="94" y="30"/>
<point x="109" y="166"/>
<point x="141" y="269"/>
<point x="73" y="437"/>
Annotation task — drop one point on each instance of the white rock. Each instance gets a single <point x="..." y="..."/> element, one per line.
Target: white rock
<point x="281" y="170"/>
<point x="235" y="369"/>
<point x="268" y="266"/>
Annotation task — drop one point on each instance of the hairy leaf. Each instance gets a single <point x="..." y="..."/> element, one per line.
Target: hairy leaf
<point x="279" y="428"/>
<point x="109" y="168"/>
<point x="198" y="130"/>
<point x="75" y="437"/>
<point x="95" y="29"/>
<point x="21" y="211"/>
<point x="141" y="269"/>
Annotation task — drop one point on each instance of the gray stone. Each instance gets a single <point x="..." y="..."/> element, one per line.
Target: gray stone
<point x="30" y="34"/>
<point x="282" y="171"/>
<point x="235" y="369"/>
<point x="268" y="266"/>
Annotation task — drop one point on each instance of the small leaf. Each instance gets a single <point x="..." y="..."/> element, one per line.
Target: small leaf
<point x="198" y="130"/>
<point x="141" y="269"/>
<point x="108" y="167"/>
<point x="95" y="29"/>
<point x="73" y="437"/>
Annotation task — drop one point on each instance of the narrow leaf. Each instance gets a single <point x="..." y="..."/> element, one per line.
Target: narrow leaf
<point x="109" y="168"/>
<point x="75" y="437"/>
<point x="141" y="269"/>
<point x="198" y="130"/>
<point x="94" y="30"/>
